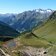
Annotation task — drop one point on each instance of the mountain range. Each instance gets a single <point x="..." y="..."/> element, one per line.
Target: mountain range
<point x="36" y="28"/>
<point x="27" y="20"/>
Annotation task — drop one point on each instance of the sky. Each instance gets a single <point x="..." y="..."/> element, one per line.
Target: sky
<point x="18" y="6"/>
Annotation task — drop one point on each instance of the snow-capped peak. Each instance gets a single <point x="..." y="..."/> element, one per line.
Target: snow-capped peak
<point x="49" y="10"/>
<point x="44" y="11"/>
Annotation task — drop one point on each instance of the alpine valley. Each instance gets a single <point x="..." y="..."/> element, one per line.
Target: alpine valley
<point x="30" y="33"/>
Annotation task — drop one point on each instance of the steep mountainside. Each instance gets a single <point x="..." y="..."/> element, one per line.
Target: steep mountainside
<point x="48" y="30"/>
<point x="7" y="31"/>
<point x="9" y="19"/>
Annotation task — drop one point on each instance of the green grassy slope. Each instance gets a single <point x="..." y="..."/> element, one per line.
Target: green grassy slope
<point x="29" y="39"/>
<point x="48" y="30"/>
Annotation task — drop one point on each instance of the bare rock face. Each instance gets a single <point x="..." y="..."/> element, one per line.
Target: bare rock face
<point x="31" y="51"/>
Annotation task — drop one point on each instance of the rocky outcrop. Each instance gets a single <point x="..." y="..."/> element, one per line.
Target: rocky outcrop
<point x="31" y="51"/>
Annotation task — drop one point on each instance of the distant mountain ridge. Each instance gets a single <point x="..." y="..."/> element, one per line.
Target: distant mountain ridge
<point x="27" y="20"/>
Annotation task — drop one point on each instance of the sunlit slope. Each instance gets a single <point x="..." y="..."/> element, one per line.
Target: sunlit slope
<point x="48" y="30"/>
<point x="29" y="39"/>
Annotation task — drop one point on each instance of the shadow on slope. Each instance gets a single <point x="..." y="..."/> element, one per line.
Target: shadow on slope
<point x="5" y="39"/>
